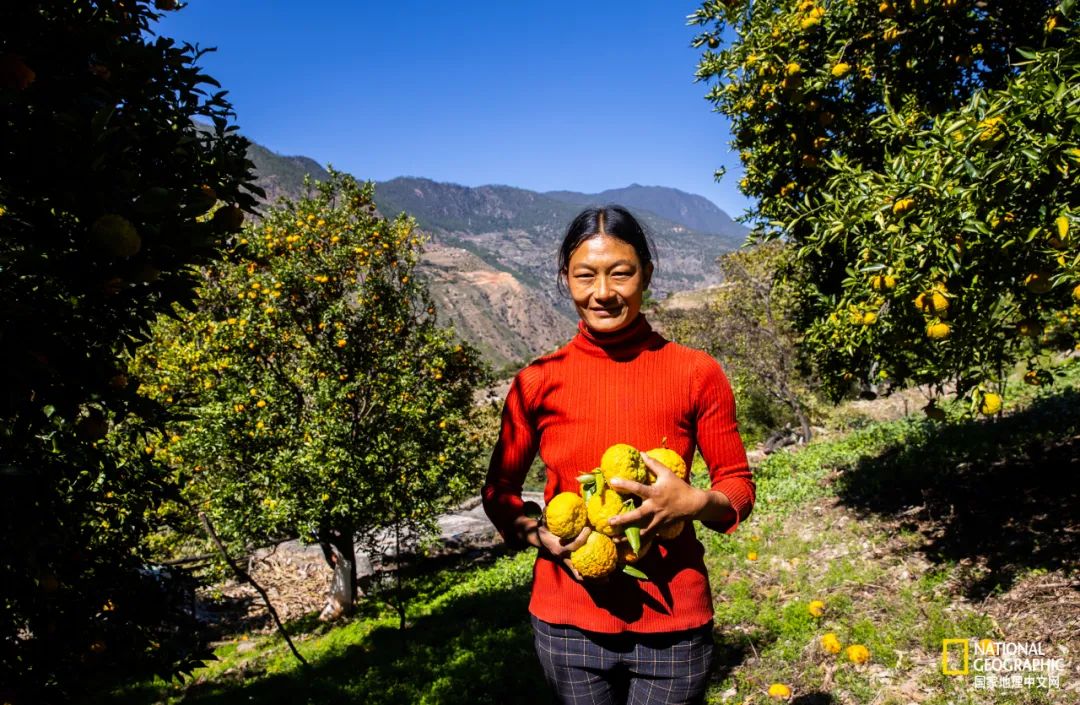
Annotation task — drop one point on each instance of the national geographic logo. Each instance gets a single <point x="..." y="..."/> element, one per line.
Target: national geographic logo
<point x="1001" y="664"/>
<point x="945" y="662"/>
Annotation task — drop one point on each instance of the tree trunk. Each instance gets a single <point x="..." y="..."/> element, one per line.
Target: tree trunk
<point x="338" y="549"/>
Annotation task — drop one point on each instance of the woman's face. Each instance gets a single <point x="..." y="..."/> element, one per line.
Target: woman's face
<point x="607" y="282"/>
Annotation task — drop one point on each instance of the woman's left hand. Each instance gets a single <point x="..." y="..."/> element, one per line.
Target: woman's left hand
<point x="667" y="500"/>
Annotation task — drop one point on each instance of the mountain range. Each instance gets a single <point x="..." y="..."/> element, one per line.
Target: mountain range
<point x="490" y="262"/>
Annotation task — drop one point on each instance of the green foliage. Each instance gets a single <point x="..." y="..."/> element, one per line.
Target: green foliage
<point x="920" y="159"/>
<point x="103" y="178"/>
<point x="317" y="391"/>
<point x="469" y="641"/>
<point x="746" y="326"/>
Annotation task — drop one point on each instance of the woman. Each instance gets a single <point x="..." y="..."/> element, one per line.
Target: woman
<point x="618" y="381"/>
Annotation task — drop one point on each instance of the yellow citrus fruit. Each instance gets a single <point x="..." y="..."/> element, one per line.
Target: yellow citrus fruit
<point x="751" y="556"/>
<point x="1076" y="292"/>
<point x="816" y="608"/>
<point x="116" y="235"/>
<point x="565" y="515"/>
<point x="1038" y="282"/>
<point x="830" y="643"/>
<point x="932" y="302"/>
<point x="1029" y="327"/>
<point x="902" y="205"/>
<point x="597" y="558"/>
<point x="627" y="554"/>
<point x="623" y="460"/>
<point x="840" y="70"/>
<point x="869" y="318"/>
<point x="671" y="459"/>
<point x="601" y="507"/>
<point x="672" y="530"/>
<point x="990" y="405"/>
<point x="857" y="653"/>
<point x="938" y="331"/>
<point x="229" y="217"/>
<point x="779" y="691"/>
<point x="882" y="281"/>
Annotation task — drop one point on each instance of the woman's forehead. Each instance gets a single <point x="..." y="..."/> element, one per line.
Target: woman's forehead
<point x="606" y="249"/>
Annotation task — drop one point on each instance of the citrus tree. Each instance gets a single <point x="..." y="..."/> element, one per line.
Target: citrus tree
<point x="321" y="399"/>
<point x="744" y="323"/>
<point x="104" y="179"/>
<point x="920" y="157"/>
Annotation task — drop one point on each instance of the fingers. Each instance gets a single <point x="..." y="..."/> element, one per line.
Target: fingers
<point x="629" y="486"/>
<point x="655" y="466"/>
<point x="578" y="541"/>
<point x="631" y="517"/>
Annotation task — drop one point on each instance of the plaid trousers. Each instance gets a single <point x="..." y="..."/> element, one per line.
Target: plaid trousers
<point x="586" y="668"/>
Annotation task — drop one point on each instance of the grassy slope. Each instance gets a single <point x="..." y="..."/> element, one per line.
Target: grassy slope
<point x="909" y="531"/>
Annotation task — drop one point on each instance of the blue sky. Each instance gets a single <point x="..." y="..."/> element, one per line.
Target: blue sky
<point x="584" y="95"/>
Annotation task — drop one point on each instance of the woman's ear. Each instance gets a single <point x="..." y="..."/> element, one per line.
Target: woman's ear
<point x="648" y="274"/>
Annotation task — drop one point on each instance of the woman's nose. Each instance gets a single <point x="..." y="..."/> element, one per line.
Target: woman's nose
<point x="602" y="288"/>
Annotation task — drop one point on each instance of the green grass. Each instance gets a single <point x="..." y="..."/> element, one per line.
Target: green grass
<point x="828" y="525"/>
<point x="467" y="641"/>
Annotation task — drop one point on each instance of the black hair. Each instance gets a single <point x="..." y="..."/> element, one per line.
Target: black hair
<point x="611" y="220"/>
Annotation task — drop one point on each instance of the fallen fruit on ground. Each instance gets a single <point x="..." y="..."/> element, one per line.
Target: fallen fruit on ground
<point x="779" y="691"/>
<point x="857" y="653"/>
<point x="830" y="643"/>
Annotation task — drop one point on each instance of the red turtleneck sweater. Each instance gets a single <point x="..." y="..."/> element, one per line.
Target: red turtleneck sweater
<point x="631" y="386"/>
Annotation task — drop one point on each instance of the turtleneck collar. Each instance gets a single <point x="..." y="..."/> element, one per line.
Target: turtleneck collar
<point x="626" y="341"/>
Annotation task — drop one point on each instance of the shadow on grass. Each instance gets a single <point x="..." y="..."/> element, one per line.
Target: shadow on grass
<point x="731" y="648"/>
<point x="1003" y="494"/>
<point x="817" y="698"/>
<point x="477" y="649"/>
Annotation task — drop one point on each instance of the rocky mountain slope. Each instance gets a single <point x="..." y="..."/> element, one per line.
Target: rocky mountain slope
<point x="491" y="259"/>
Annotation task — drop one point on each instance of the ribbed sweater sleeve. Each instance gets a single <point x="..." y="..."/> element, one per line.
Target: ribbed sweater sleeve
<point x="719" y="442"/>
<point x="513" y="456"/>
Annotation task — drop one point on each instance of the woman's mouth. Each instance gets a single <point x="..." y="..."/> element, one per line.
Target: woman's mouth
<point x="606" y="311"/>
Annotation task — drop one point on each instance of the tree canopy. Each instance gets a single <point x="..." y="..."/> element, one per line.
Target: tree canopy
<point x="920" y="157"/>
<point x="320" y="398"/>
<point x="105" y="180"/>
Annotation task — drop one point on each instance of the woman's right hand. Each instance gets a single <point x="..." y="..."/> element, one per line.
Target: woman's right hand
<point x="560" y="548"/>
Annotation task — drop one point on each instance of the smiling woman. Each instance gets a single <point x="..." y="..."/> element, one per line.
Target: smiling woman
<point x="618" y="639"/>
<point x="607" y="275"/>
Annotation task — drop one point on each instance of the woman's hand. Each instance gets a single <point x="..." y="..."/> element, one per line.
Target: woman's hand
<point x="667" y="500"/>
<point x="534" y="533"/>
<point x="562" y="548"/>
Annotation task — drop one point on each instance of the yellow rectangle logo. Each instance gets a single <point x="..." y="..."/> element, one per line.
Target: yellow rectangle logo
<point x="945" y="643"/>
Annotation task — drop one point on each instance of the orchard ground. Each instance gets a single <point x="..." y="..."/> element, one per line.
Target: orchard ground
<point x="909" y="531"/>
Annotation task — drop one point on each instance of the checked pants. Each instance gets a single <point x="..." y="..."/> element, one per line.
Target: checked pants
<point x="586" y="668"/>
